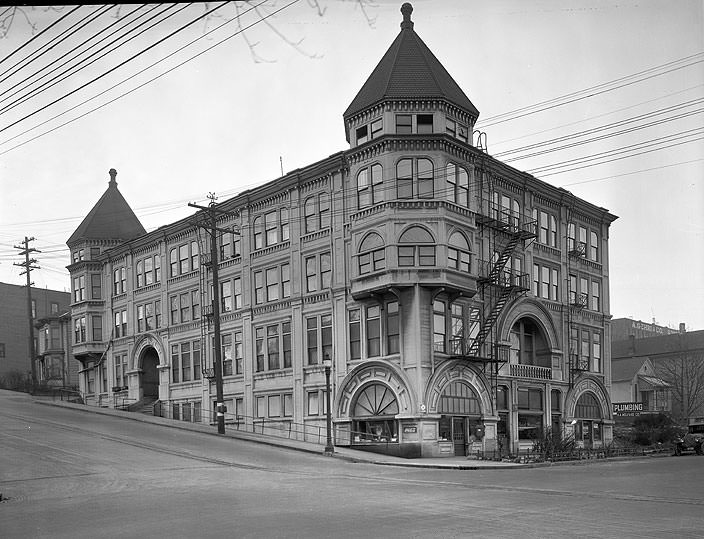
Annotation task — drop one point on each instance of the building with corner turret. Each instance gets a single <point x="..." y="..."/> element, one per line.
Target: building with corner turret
<point x="464" y="304"/>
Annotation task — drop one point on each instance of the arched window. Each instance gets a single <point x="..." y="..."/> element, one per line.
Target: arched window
<point x="372" y="255"/>
<point x="421" y="250"/>
<point x="529" y="345"/>
<point x="374" y="414"/>
<point x="173" y="262"/>
<point x="587" y="407"/>
<point x="457" y="184"/>
<point x="458" y="252"/>
<point x="458" y="398"/>
<point x="258" y="230"/>
<point x="370" y="188"/>
<point x="420" y="169"/>
<point x="311" y="220"/>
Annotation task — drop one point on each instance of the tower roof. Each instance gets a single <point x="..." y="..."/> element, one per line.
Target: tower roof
<point x="110" y="219"/>
<point x="409" y="70"/>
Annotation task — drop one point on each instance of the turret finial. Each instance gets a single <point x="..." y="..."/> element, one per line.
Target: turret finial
<point x="113" y="175"/>
<point x="406" y="10"/>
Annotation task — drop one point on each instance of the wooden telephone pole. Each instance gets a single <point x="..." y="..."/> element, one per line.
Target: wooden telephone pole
<point x="28" y="266"/>
<point x="212" y="229"/>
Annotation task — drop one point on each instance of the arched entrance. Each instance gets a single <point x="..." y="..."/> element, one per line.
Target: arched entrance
<point x="460" y="419"/>
<point x="588" y="421"/>
<point x="529" y="344"/>
<point x="149" y="378"/>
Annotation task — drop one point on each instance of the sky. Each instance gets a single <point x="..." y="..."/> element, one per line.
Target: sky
<point x="623" y="79"/>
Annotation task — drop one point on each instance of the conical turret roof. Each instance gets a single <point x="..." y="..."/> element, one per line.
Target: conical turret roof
<point x="110" y="219"/>
<point x="409" y="70"/>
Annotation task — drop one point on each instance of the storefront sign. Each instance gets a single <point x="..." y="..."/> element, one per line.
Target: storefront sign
<point x="410" y="430"/>
<point x="622" y="409"/>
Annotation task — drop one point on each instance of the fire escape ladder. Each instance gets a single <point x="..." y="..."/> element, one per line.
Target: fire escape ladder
<point x="489" y="321"/>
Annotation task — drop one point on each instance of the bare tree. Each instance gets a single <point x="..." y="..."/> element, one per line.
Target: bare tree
<point x="684" y="371"/>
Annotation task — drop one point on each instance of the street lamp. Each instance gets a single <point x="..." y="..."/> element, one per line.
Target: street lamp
<point x="327" y="363"/>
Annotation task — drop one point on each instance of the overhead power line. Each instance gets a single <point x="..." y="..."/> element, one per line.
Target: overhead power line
<point x="37" y="36"/>
<point x="106" y="73"/>
<point x="590" y="92"/>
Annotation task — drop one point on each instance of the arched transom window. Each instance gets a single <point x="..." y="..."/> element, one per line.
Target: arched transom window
<point x="416" y="247"/>
<point x="372" y="256"/>
<point x="374" y="414"/>
<point x="458" y="252"/>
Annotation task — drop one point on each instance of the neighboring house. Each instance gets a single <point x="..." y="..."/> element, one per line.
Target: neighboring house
<point x="634" y="380"/>
<point x="56" y="364"/>
<point x="15" y="326"/>
<point x="464" y="303"/>
<point x="677" y="359"/>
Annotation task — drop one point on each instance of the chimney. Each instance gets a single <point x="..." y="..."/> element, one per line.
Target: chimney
<point x="682" y="327"/>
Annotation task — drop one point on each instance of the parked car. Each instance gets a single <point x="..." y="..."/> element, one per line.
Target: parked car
<point x="691" y="440"/>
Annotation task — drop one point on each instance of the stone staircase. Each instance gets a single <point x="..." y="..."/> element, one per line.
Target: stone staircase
<point x="145" y="406"/>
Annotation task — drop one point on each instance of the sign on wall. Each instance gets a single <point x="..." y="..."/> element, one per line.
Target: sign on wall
<point x="623" y="409"/>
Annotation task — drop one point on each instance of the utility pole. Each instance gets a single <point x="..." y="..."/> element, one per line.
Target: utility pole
<point x="28" y="266"/>
<point x="213" y="229"/>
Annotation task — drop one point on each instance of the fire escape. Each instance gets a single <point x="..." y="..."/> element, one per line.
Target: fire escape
<point x="501" y="280"/>
<point x="577" y="299"/>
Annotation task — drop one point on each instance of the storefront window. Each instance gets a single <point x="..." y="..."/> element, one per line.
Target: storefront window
<point x="374" y="415"/>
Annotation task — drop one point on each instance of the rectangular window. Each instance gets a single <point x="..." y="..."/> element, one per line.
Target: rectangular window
<point x="311" y="274"/>
<point x="424" y="123"/>
<point x="286" y="344"/>
<point x="377" y="128"/>
<point x="225" y="296"/>
<point x="285" y="281"/>
<point x="259" y="348"/>
<point x="175" y="364"/>
<point x="313" y="408"/>
<point x="392" y="328"/>
<point x="450" y="127"/>
<point x="195" y="305"/>
<point x="258" y="287"/>
<point x="140" y="318"/>
<point x="362" y="134"/>
<point x="271" y="228"/>
<point x="272" y="347"/>
<point x="355" y="335"/>
<point x="404" y="178"/>
<point x="272" y="284"/>
<point x="238" y="352"/>
<point x="186" y="362"/>
<point x="326" y="336"/>
<point x="284" y="223"/>
<point x="79" y="290"/>
<point x="596" y="352"/>
<point x="325" y="270"/>
<point x="439" y="330"/>
<point x="183" y="259"/>
<point x="185" y="307"/>
<point x="195" y="348"/>
<point x="148" y="270"/>
<point x="312" y="340"/>
<point x="404" y="124"/>
<point x="596" y="298"/>
<point x="324" y="211"/>
<point x="226" y="352"/>
<point x="237" y="297"/>
<point x="157" y="314"/>
<point x="97" y="324"/>
<point x="95" y="289"/>
<point x="373" y="327"/>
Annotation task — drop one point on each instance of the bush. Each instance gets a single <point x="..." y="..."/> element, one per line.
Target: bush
<point x="650" y="429"/>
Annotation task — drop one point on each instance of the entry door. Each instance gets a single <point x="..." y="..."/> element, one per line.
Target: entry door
<point x="459" y="436"/>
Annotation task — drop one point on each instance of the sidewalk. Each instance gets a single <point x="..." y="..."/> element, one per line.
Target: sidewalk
<point x="344" y="453"/>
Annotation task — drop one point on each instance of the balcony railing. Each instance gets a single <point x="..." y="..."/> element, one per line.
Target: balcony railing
<point x="578" y="300"/>
<point x="576" y="248"/>
<point x="579" y="363"/>
<point x="506" y="278"/>
<point x="507" y="220"/>
<point x="531" y="371"/>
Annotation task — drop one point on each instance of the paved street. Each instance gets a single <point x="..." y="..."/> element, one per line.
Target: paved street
<point x="71" y="473"/>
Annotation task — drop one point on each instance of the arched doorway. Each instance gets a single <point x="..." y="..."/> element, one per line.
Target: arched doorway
<point x="588" y="421"/>
<point x="373" y="415"/>
<point x="460" y="419"/>
<point x="150" y="375"/>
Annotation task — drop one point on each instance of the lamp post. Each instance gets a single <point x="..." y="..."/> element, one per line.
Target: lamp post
<point x="327" y="363"/>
